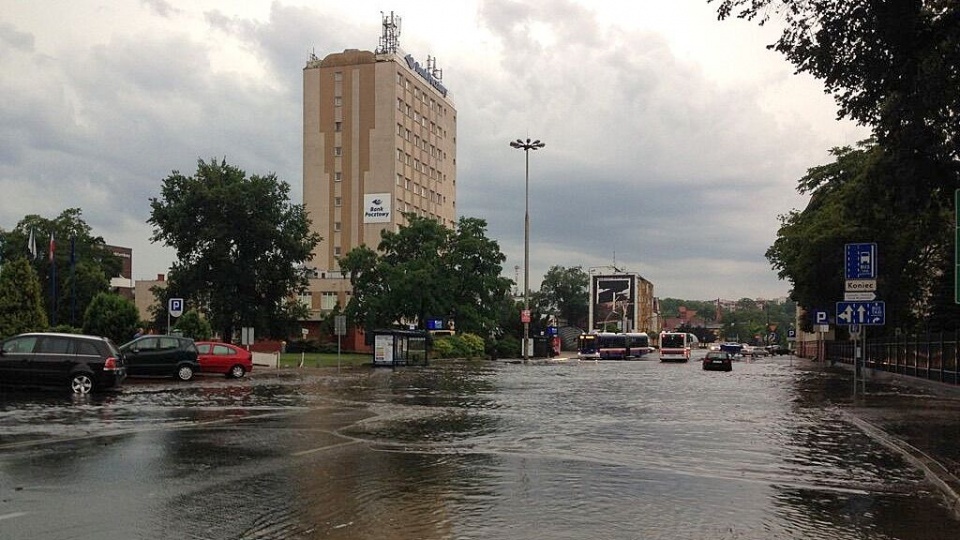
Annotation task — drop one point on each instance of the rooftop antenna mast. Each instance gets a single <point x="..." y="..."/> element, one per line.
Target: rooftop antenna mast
<point x="390" y="39"/>
<point x="432" y="68"/>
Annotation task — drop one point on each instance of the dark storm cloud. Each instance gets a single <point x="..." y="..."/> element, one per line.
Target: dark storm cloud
<point x="649" y="160"/>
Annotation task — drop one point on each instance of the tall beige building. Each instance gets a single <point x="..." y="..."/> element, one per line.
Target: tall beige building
<point x="379" y="140"/>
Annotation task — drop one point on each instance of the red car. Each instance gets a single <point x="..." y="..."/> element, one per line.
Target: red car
<point x="224" y="358"/>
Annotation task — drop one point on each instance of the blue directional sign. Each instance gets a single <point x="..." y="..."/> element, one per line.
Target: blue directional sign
<point x="866" y="313"/>
<point x="861" y="261"/>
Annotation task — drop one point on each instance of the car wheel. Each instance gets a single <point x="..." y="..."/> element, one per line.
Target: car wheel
<point x="81" y="383"/>
<point x="236" y="372"/>
<point x="185" y="373"/>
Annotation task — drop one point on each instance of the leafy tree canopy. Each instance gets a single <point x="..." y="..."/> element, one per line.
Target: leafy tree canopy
<point x="893" y="65"/>
<point x="240" y="244"/>
<point x="81" y="263"/>
<point x="564" y="292"/>
<point x="21" y="305"/>
<point x="425" y="270"/>
<point x="112" y="316"/>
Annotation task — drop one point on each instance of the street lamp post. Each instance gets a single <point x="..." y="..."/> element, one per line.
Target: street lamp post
<point x="526" y="146"/>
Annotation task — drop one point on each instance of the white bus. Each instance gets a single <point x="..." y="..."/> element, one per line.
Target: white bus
<point x="612" y="346"/>
<point x="675" y="346"/>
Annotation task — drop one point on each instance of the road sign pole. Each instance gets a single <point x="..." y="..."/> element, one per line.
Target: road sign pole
<point x="863" y="360"/>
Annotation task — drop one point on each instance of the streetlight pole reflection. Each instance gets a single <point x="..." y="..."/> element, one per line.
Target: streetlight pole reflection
<point x="526" y="146"/>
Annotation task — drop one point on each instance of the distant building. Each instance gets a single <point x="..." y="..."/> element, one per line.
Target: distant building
<point x="144" y="297"/>
<point x="123" y="284"/>
<point x="379" y="140"/>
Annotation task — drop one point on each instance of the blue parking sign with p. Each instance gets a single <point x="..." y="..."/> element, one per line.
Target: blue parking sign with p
<point x="176" y="307"/>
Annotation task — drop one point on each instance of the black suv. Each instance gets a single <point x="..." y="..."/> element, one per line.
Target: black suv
<point x="161" y="356"/>
<point x="75" y="361"/>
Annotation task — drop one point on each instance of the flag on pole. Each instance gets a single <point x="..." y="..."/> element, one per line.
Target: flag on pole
<point x="53" y="246"/>
<point x="32" y="245"/>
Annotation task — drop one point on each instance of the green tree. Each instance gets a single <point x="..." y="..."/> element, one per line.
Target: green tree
<point x="851" y="202"/>
<point x="893" y="66"/>
<point x="240" y="245"/>
<point x="425" y="270"/>
<point x="112" y="316"/>
<point x="474" y="262"/>
<point x="192" y="325"/>
<point x="564" y="292"/>
<point x="21" y="304"/>
<point x="81" y="262"/>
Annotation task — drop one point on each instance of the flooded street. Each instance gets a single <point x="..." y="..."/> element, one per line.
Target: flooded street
<point x="605" y="450"/>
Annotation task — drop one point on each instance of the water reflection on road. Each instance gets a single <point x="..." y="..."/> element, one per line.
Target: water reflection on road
<point x="593" y="450"/>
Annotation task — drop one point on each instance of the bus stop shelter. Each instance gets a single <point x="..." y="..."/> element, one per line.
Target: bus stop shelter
<point x="399" y="347"/>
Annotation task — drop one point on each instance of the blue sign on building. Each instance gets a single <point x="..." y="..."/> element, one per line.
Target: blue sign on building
<point x="861" y="261"/>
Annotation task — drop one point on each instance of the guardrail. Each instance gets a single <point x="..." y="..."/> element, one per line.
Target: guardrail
<point x="934" y="357"/>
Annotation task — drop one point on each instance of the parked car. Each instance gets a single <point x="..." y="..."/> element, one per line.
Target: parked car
<point x="80" y="363"/>
<point x="224" y="358"/>
<point x="718" y="360"/>
<point x="161" y="356"/>
<point x="753" y="351"/>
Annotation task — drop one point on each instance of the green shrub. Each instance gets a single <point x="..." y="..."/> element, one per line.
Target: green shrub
<point x="457" y="346"/>
<point x="505" y="347"/>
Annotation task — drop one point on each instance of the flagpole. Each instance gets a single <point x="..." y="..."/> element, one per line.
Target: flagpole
<point x="73" y="281"/>
<point x="53" y="283"/>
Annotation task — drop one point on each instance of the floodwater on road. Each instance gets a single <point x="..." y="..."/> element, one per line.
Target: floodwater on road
<point x="573" y="450"/>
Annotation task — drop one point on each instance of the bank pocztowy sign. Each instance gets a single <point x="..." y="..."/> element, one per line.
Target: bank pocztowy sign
<point x="376" y="208"/>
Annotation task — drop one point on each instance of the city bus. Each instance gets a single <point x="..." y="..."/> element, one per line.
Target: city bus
<point x="675" y="346"/>
<point x="612" y="346"/>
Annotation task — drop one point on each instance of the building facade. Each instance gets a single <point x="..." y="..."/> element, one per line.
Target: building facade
<point x="379" y="140"/>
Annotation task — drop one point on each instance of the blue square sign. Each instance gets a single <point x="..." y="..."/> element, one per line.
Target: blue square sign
<point x="861" y="261"/>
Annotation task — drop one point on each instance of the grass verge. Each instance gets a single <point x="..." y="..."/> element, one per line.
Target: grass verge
<point x="324" y="359"/>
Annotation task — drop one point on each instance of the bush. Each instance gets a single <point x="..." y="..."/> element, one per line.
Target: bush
<point x="192" y="325"/>
<point x="303" y="346"/>
<point x="505" y="347"/>
<point x="458" y="346"/>
<point x="112" y="316"/>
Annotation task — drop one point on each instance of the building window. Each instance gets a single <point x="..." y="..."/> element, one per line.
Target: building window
<point x="399" y="179"/>
<point x="399" y="154"/>
<point x="337" y="151"/>
<point x="338" y="75"/>
<point x="328" y="300"/>
<point x="337" y="101"/>
<point x="336" y="251"/>
<point x="337" y="176"/>
<point x="336" y="225"/>
<point x="306" y="300"/>
<point x="337" y="201"/>
<point x="338" y="126"/>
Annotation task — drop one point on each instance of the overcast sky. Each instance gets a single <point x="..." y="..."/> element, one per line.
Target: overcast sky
<point x="673" y="140"/>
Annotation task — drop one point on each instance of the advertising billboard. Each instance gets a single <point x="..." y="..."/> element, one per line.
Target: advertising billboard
<point x="613" y="302"/>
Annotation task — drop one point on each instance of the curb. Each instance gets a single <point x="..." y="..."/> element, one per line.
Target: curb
<point x="946" y="482"/>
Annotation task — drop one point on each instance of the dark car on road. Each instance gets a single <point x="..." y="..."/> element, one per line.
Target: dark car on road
<point x="224" y="358"/>
<point x="718" y="360"/>
<point x="77" y="362"/>
<point x="161" y="356"/>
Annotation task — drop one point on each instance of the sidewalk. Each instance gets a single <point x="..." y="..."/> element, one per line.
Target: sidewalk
<point x="917" y="418"/>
